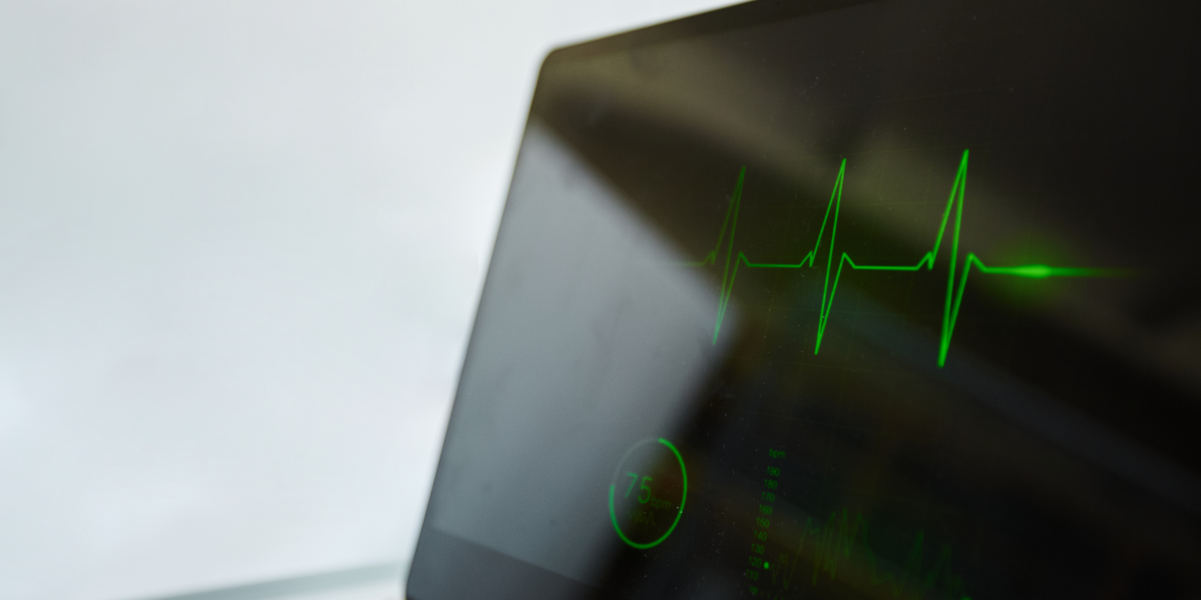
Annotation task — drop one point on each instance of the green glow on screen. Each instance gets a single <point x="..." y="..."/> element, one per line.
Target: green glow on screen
<point x="679" y="511"/>
<point x="839" y="549"/>
<point x="954" y="296"/>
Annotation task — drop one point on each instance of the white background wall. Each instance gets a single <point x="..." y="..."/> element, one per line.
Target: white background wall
<point x="241" y="242"/>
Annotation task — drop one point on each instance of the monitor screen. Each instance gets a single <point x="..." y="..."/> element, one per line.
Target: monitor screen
<point x="841" y="300"/>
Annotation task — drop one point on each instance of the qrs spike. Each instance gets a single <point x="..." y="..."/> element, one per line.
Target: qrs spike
<point x="733" y="261"/>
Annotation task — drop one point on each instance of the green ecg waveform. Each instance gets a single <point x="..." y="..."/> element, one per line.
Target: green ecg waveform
<point x="954" y="297"/>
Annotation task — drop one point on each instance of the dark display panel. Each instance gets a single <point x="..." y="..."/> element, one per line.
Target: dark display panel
<point x="829" y="300"/>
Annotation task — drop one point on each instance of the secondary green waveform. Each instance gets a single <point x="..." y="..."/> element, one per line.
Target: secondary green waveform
<point x="733" y="261"/>
<point x="839" y="548"/>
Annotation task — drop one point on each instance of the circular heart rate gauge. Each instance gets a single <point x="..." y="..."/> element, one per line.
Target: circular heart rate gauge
<point x="647" y="493"/>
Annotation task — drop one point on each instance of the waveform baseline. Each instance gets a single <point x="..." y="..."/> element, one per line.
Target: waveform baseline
<point x="954" y="295"/>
